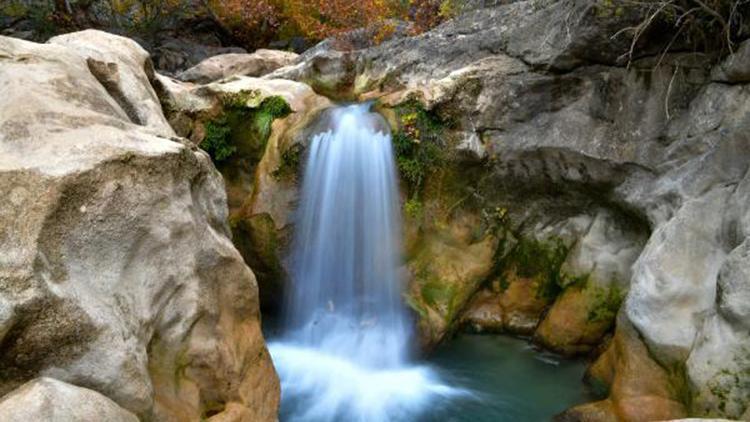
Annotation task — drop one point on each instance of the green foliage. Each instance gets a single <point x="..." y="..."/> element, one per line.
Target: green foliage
<point x="605" y="302"/>
<point x="419" y="148"/>
<point x="535" y="259"/>
<point x="416" y="305"/>
<point x="217" y="140"/>
<point x="270" y="109"/>
<point x="242" y="130"/>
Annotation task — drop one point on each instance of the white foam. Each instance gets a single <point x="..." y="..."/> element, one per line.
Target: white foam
<point x="327" y="387"/>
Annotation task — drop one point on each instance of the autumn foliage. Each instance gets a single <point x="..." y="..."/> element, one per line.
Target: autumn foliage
<point x="254" y="21"/>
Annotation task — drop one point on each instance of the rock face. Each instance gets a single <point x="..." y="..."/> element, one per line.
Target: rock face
<point x="576" y="182"/>
<point x="47" y="399"/>
<point x="117" y="272"/>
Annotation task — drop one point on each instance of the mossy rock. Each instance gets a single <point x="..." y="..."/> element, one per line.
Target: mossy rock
<point x="580" y="318"/>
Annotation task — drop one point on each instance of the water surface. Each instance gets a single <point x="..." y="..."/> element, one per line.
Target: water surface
<point x="510" y="381"/>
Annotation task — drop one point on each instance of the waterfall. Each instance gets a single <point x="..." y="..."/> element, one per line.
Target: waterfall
<point x="344" y="352"/>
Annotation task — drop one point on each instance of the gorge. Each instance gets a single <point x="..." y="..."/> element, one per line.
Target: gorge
<point x="395" y="209"/>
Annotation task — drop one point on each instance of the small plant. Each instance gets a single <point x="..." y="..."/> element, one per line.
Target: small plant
<point x="217" y="140"/>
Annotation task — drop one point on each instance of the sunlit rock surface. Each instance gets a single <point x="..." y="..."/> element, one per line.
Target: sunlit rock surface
<point x="117" y="272"/>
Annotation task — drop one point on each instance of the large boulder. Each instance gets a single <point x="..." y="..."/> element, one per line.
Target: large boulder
<point x="259" y="63"/>
<point x="117" y="272"/>
<point x="49" y="400"/>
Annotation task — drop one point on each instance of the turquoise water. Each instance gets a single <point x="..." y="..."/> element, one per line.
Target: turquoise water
<point x="509" y="381"/>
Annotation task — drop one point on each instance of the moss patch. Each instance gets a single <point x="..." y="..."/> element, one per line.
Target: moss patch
<point x="605" y="302"/>
<point x="540" y="260"/>
<point x="291" y="160"/>
<point x="729" y="387"/>
<point x="242" y="130"/>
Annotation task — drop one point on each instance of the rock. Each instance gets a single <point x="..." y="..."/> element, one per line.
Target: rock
<point x="579" y="319"/>
<point x="47" y="399"/>
<point x="218" y="67"/>
<point x="125" y="70"/>
<point x="734" y="286"/>
<point x="718" y="369"/>
<point x="175" y="54"/>
<point x="515" y="308"/>
<point x="638" y="388"/>
<point x="736" y="67"/>
<point x="116" y="263"/>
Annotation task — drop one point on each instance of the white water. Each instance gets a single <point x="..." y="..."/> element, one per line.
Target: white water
<point x="344" y="354"/>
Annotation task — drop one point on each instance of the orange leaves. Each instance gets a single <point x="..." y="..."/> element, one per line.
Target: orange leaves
<point x="257" y="22"/>
<point x="319" y="19"/>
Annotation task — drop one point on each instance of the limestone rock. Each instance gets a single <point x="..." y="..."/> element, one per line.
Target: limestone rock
<point x="222" y="66"/>
<point x="639" y="389"/>
<point x="125" y="70"/>
<point x="117" y="272"/>
<point x="578" y="320"/>
<point x="736" y="67"/>
<point x="49" y="400"/>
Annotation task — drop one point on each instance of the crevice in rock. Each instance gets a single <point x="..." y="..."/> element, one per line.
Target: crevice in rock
<point x="108" y="75"/>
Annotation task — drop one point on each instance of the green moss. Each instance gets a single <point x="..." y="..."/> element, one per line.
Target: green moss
<point x="540" y="260"/>
<point x="291" y="159"/>
<point x="440" y="296"/>
<point x="605" y="302"/>
<point x="242" y="130"/>
<point x="417" y="306"/>
<point x="217" y="142"/>
<point x="729" y="387"/>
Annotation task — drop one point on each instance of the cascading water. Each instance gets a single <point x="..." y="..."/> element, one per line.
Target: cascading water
<point x="344" y="352"/>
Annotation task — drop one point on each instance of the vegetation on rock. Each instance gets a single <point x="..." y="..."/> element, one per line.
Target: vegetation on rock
<point x="241" y="128"/>
<point x="419" y="145"/>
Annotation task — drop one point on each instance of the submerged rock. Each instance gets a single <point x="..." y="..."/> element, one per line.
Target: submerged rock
<point x="117" y="272"/>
